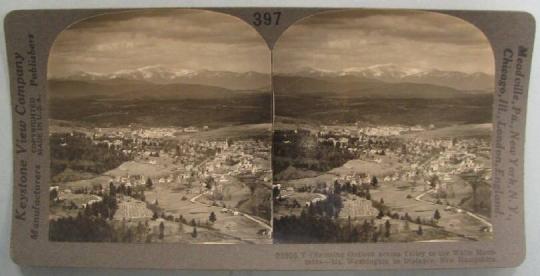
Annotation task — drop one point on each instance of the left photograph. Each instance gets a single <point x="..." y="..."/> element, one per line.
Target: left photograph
<point x="160" y="130"/>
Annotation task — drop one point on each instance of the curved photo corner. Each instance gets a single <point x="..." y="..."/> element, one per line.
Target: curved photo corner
<point x="160" y="130"/>
<point x="382" y="129"/>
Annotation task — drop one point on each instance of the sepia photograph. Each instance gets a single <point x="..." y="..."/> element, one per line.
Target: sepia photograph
<point x="160" y="130"/>
<point x="382" y="129"/>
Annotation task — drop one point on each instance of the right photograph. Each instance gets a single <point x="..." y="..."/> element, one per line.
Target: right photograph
<point x="382" y="129"/>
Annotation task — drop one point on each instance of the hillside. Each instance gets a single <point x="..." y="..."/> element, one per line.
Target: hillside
<point x="347" y="87"/>
<point x="134" y="89"/>
<point x="347" y="99"/>
<point x="304" y="110"/>
<point x="122" y="102"/>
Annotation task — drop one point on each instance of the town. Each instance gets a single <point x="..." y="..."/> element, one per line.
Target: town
<point x="385" y="183"/>
<point x="135" y="184"/>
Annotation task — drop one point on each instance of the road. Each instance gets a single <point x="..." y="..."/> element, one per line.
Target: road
<point x="252" y="218"/>
<point x="194" y="201"/>
<point x="473" y="215"/>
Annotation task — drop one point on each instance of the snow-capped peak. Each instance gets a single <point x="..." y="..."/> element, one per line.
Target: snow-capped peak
<point x="381" y="70"/>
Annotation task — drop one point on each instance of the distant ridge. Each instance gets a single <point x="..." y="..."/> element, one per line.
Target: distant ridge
<point x="396" y="74"/>
<point x="121" y="89"/>
<point x="346" y="87"/>
<point x="161" y="75"/>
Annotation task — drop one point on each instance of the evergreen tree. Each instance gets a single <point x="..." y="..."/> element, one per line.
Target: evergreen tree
<point x="161" y="230"/>
<point x="275" y="192"/>
<point x="112" y="189"/>
<point x="53" y="194"/>
<point x="337" y="187"/>
<point x="420" y="232"/>
<point x="407" y="217"/>
<point x="437" y="215"/>
<point x="212" y="217"/>
<point x="149" y="183"/>
<point x="194" y="233"/>
<point x="387" y="226"/>
<point x="180" y="227"/>
<point x="407" y="227"/>
<point x="374" y="181"/>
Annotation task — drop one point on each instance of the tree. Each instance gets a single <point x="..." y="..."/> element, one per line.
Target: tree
<point x="210" y="182"/>
<point x="180" y="226"/>
<point x="437" y="215"/>
<point x="212" y="217"/>
<point x="276" y="192"/>
<point x="155" y="216"/>
<point x="434" y="181"/>
<point x="149" y="183"/>
<point x="337" y="187"/>
<point x="112" y="189"/>
<point x="161" y="230"/>
<point x="420" y="232"/>
<point x="387" y="226"/>
<point x="381" y="201"/>
<point x="142" y="197"/>
<point x="194" y="233"/>
<point x="53" y="194"/>
<point x="374" y="181"/>
<point x="407" y="217"/>
<point x="355" y="189"/>
<point x="381" y="214"/>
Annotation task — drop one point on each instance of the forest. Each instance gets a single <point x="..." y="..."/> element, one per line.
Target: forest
<point x="301" y="149"/>
<point x="76" y="151"/>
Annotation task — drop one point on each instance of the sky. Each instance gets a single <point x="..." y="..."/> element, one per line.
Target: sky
<point x="336" y="41"/>
<point x="174" y="39"/>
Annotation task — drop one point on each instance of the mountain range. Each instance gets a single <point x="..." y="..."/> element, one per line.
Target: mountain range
<point x="161" y="75"/>
<point x="251" y="80"/>
<point x="380" y="81"/>
<point x="398" y="74"/>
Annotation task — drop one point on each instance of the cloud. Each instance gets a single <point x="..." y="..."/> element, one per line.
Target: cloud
<point x="359" y="38"/>
<point x="178" y="39"/>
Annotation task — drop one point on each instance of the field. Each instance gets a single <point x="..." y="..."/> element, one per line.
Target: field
<point x="238" y="227"/>
<point x="162" y="167"/>
<point x="468" y="130"/>
<point x="261" y="130"/>
<point x="308" y="109"/>
<point x="395" y="197"/>
<point x="131" y="209"/>
<point x="244" y="109"/>
<point x="386" y="166"/>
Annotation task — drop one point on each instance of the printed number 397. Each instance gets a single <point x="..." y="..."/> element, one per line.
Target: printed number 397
<point x="266" y="18"/>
